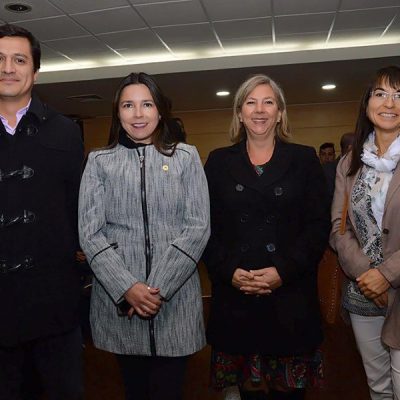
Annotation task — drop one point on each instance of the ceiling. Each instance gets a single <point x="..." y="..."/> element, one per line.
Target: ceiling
<point x="196" y="47"/>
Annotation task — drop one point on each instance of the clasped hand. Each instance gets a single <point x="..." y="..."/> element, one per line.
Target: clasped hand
<point x="372" y="284"/>
<point x="145" y="300"/>
<point x="259" y="282"/>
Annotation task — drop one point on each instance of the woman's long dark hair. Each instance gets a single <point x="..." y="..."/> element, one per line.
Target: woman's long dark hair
<point x="389" y="75"/>
<point x="163" y="139"/>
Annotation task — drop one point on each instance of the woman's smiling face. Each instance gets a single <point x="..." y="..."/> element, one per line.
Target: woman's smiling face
<point x="138" y="113"/>
<point x="260" y="112"/>
<point x="383" y="108"/>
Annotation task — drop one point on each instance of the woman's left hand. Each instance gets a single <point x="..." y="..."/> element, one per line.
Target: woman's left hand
<point x="269" y="275"/>
<point x="382" y="300"/>
<point x="372" y="283"/>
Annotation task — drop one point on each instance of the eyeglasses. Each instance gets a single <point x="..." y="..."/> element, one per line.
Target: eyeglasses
<point x="381" y="96"/>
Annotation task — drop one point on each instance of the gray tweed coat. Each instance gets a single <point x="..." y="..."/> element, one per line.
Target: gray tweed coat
<point x="110" y="210"/>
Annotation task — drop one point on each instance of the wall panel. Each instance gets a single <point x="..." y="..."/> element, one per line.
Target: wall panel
<point x="311" y="124"/>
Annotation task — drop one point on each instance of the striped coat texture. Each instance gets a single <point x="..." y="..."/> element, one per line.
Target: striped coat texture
<point x="110" y="211"/>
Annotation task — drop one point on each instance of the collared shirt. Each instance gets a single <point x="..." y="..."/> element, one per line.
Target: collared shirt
<point x="20" y="113"/>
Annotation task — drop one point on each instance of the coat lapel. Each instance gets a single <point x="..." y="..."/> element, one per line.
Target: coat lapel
<point x="244" y="174"/>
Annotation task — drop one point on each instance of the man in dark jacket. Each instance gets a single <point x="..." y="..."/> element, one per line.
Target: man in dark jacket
<point x="40" y="160"/>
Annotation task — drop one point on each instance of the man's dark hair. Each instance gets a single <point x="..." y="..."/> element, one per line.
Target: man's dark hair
<point x="326" y="145"/>
<point x="9" y="30"/>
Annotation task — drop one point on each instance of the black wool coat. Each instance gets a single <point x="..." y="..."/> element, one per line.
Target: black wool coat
<point x="280" y="219"/>
<point x="39" y="283"/>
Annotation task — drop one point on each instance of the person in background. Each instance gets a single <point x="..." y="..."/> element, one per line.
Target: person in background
<point x="329" y="168"/>
<point x="177" y="129"/>
<point x="346" y="144"/>
<point x="365" y="234"/>
<point x="269" y="228"/>
<point x="144" y="223"/>
<point x="41" y="154"/>
<point x="327" y="152"/>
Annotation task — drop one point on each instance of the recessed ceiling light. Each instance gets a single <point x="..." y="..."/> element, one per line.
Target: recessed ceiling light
<point x="18" y="7"/>
<point x="223" y="93"/>
<point x="329" y="86"/>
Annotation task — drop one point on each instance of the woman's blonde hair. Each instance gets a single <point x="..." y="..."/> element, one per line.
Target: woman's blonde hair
<point x="237" y="130"/>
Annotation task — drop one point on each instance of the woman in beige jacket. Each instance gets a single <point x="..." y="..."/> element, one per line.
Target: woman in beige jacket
<point x="366" y="234"/>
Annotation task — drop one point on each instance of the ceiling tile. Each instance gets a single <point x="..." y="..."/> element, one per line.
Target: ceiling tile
<point x="118" y="19"/>
<point x="303" y="23"/>
<point x="227" y="9"/>
<point x="175" y="13"/>
<point x="394" y="28"/>
<point x="40" y="9"/>
<point x="141" y="55"/>
<point x="301" y="41"/>
<point x="49" y="54"/>
<point x="140" y="39"/>
<point x="87" y="46"/>
<point x="248" y="45"/>
<point x="363" y="4"/>
<point x="364" y="19"/>
<point x="244" y="28"/>
<point x="287" y="7"/>
<point x="54" y="28"/>
<point x="78" y="6"/>
<point x="186" y="33"/>
<point x="197" y="49"/>
<point x="356" y="36"/>
<point x="141" y="2"/>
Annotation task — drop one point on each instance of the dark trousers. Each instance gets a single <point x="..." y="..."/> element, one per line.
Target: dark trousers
<point x="152" y="378"/>
<point x="57" y="361"/>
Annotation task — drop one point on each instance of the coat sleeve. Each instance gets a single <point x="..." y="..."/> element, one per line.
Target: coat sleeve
<point x="304" y="254"/>
<point x="180" y="259"/>
<point x="106" y="263"/>
<point x="221" y="263"/>
<point x="351" y="257"/>
<point x="390" y="268"/>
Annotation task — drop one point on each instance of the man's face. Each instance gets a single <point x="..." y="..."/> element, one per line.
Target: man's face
<point x="327" y="155"/>
<point x="16" y="70"/>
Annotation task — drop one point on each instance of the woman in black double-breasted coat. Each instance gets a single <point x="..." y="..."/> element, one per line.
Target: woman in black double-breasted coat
<point x="270" y="225"/>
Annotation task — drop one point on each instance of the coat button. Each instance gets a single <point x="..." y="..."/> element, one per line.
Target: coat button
<point x="278" y="191"/>
<point x="270" y="219"/>
<point x="385" y="231"/>
<point x="244" y="217"/>
<point x="239" y="187"/>
<point x="244" y="248"/>
<point x="31" y="130"/>
<point x="270" y="247"/>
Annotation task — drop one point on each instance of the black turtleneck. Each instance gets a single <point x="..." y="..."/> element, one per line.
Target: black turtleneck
<point x="126" y="141"/>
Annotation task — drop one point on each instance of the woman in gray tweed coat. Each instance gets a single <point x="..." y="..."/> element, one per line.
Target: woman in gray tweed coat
<point x="144" y="222"/>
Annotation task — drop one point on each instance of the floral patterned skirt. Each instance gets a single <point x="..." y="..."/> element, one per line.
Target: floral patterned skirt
<point x="280" y="373"/>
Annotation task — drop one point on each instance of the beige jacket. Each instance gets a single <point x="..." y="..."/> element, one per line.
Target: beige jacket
<point x="351" y="257"/>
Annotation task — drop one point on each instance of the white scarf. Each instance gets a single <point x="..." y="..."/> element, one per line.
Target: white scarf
<point x="382" y="172"/>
